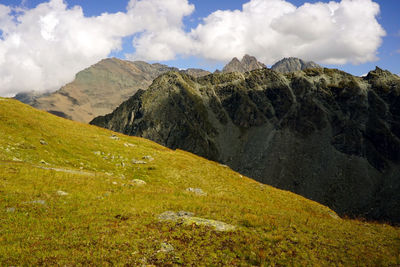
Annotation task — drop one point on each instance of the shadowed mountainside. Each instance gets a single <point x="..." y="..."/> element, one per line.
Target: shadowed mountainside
<point x="321" y="133"/>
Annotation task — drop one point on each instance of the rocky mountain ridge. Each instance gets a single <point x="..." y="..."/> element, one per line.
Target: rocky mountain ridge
<point x="322" y="133"/>
<point x="292" y="64"/>
<point x="100" y="88"/>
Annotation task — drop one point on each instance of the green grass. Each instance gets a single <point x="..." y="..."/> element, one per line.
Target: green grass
<point x="104" y="221"/>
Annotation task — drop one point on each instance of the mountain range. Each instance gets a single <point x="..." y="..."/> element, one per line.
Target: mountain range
<point x="321" y="133"/>
<point x="274" y="125"/>
<point x="99" y="89"/>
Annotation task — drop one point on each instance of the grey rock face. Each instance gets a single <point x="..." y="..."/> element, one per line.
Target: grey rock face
<point x="248" y="63"/>
<point x="196" y="191"/>
<point x="292" y="64"/>
<point x="321" y="133"/>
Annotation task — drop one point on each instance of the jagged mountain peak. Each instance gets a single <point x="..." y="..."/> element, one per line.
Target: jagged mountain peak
<point x="291" y="64"/>
<point x="248" y="63"/>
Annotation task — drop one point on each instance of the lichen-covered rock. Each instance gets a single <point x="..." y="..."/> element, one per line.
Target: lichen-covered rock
<point x="187" y="218"/>
<point x="137" y="182"/>
<point x="196" y="191"/>
<point x="166" y="248"/>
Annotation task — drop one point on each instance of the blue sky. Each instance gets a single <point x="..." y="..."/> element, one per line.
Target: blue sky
<point x="182" y="43"/>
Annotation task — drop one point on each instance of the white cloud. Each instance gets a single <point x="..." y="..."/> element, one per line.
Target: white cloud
<point x="331" y="33"/>
<point x="44" y="47"/>
<point x="163" y="36"/>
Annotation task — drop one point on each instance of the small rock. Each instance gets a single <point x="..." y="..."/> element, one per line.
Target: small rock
<point x="114" y="137"/>
<point x="62" y="193"/>
<point x="173" y="216"/>
<point x="334" y="215"/>
<point x="10" y="210"/>
<point x="16" y="159"/>
<point x="166" y="248"/>
<point x="138" y="182"/>
<point x="129" y="145"/>
<point x="44" y="162"/>
<point x="149" y="158"/>
<point x="115" y="183"/>
<point x="43" y="142"/>
<point x="98" y="153"/>
<point x="138" y="161"/>
<point x="41" y="202"/>
<point x="196" y="191"/>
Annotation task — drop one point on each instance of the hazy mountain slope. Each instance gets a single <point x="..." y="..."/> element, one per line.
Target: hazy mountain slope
<point x="29" y="97"/>
<point x="248" y="63"/>
<point x="293" y="64"/>
<point x="321" y="133"/>
<point x="100" y="88"/>
<point x="68" y="198"/>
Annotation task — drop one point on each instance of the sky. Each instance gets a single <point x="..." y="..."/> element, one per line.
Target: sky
<point x="43" y="44"/>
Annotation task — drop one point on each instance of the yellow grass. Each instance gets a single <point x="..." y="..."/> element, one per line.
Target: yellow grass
<point x="104" y="220"/>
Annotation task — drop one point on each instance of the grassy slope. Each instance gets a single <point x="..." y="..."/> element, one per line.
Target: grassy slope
<point x="102" y="221"/>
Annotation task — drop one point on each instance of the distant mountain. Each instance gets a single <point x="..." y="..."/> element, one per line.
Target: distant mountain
<point x="322" y="133"/>
<point x="248" y="63"/>
<point x="293" y="64"/>
<point x="99" y="89"/>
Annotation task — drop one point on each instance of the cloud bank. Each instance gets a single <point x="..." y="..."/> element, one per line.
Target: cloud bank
<point x="44" y="47"/>
<point x="331" y="33"/>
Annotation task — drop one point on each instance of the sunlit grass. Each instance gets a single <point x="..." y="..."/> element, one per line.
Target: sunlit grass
<point x="106" y="220"/>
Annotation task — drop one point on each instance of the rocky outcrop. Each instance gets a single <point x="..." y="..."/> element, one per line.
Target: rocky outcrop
<point x="322" y="133"/>
<point x="248" y="63"/>
<point x="293" y="64"/>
